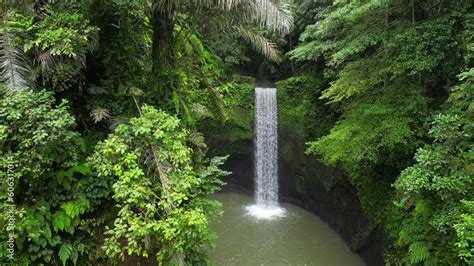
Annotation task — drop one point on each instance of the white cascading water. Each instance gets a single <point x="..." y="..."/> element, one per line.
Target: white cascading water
<point x="266" y="156"/>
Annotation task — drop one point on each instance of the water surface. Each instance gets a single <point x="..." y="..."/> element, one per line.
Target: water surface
<point x="298" y="238"/>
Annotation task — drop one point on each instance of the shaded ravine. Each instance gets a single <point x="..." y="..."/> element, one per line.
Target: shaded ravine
<point x="261" y="232"/>
<point x="303" y="182"/>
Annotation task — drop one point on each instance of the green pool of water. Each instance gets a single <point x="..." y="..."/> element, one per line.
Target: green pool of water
<point x="298" y="238"/>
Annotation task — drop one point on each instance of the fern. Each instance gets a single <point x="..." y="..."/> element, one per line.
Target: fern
<point x="196" y="139"/>
<point x="75" y="208"/>
<point x="65" y="252"/>
<point x="418" y="252"/>
<point x="216" y="105"/>
<point x="61" y="220"/>
<point x="422" y="208"/>
<point x="71" y="252"/>
<point x="81" y="248"/>
<point x="402" y="237"/>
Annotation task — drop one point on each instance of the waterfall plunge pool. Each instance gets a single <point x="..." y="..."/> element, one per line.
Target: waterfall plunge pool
<point x="262" y="232"/>
<point x="297" y="238"/>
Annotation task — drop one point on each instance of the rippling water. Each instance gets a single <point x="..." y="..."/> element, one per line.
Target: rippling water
<point x="297" y="238"/>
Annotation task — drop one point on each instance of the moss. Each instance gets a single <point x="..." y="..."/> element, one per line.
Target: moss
<point x="236" y="133"/>
<point x="300" y="109"/>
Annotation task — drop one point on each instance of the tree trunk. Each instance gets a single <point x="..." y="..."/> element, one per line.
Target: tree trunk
<point x="163" y="42"/>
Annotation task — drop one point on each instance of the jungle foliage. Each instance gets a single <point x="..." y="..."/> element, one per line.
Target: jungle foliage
<point x="400" y="76"/>
<point x="100" y="107"/>
<point x="106" y="109"/>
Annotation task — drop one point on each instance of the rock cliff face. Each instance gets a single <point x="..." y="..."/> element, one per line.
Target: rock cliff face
<point x="307" y="183"/>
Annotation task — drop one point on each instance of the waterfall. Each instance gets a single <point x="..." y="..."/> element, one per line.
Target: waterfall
<point x="266" y="147"/>
<point x="266" y="155"/>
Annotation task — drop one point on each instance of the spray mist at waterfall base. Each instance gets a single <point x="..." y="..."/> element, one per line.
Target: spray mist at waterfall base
<point x="265" y="212"/>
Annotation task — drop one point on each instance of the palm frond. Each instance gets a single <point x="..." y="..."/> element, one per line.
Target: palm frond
<point x="273" y="14"/>
<point x="99" y="114"/>
<point x="116" y="121"/>
<point x="45" y="60"/>
<point x="14" y="70"/>
<point x="259" y="42"/>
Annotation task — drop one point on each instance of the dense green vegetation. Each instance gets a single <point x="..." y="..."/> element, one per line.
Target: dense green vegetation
<point x="400" y="76"/>
<point x="106" y="108"/>
<point x="100" y="107"/>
